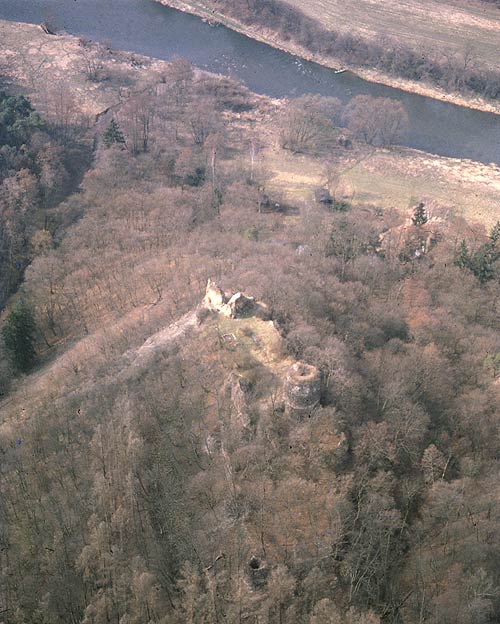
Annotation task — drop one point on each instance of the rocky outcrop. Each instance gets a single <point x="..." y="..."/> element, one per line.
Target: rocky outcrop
<point x="302" y="389"/>
<point x="412" y="242"/>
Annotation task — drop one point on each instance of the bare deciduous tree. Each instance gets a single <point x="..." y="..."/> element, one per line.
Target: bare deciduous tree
<point x="377" y="121"/>
<point x="308" y="123"/>
<point x="138" y="114"/>
<point x="201" y="119"/>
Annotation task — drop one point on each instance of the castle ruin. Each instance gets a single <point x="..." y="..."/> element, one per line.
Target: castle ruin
<point x="303" y="383"/>
<point x="235" y="306"/>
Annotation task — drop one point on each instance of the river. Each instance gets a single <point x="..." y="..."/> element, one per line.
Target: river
<point x="146" y="27"/>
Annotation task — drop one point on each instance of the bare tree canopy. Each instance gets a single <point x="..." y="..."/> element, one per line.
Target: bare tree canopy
<point x="308" y="122"/>
<point x="377" y="121"/>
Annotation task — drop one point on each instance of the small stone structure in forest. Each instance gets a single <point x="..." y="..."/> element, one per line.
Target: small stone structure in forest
<point x="215" y="297"/>
<point x="239" y="305"/>
<point x="323" y="196"/>
<point x="302" y="389"/>
<point x="234" y="306"/>
<point x="258" y="573"/>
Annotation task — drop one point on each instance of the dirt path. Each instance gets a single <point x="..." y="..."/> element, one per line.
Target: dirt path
<point x="141" y="357"/>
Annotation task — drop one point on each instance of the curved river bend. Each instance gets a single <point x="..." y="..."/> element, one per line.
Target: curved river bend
<point x="146" y="27"/>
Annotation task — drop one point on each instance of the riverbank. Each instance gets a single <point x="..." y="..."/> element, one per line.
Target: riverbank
<point x="269" y="37"/>
<point x="63" y="74"/>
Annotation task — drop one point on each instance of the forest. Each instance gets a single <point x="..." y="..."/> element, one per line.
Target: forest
<point x="38" y="166"/>
<point x="171" y="484"/>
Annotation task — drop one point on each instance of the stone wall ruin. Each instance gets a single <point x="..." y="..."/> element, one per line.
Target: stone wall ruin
<point x="236" y="306"/>
<point x="303" y="382"/>
<point x="302" y="389"/>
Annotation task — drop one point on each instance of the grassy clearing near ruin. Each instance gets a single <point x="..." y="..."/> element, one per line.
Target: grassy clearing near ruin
<point x="438" y="26"/>
<point x="259" y="338"/>
<point x="397" y="178"/>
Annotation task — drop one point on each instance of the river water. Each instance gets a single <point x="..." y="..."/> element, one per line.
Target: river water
<point x="146" y="27"/>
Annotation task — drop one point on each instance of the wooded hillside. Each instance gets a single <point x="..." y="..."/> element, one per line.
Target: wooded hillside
<point x="152" y="469"/>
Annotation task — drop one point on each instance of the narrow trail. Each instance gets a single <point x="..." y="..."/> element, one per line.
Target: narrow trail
<point x="134" y="360"/>
<point x="139" y="358"/>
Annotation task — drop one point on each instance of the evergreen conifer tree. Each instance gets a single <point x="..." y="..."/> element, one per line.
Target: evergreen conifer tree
<point x="463" y="257"/>
<point x="19" y="336"/>
<point x="482" y="265"/>
<point x="483" y="261"/>
<point x="113" y="135"/>
<point x="419" y="216"/>
<point x="495" y="233"/>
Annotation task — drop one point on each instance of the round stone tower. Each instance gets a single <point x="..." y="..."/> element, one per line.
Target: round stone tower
<point x="302" y="389"/>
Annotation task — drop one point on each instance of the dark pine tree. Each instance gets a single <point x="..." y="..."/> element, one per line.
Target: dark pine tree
<point x="482" y="265"/>
<point x="463" y="256"/>
<point x="113" y="135"/>
<point x="419" y="216"/>
<point x="483" y="262"/>
<point x="495" y="233"/>
<point x="18" y="333"/>
<point x="18" y="120"/>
